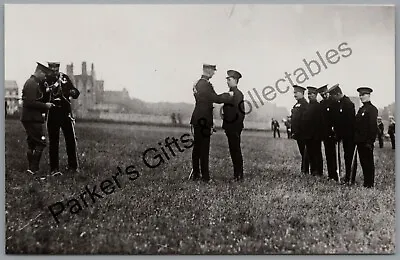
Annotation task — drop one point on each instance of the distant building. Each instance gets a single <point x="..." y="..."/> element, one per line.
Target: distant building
<point x="93" y="99"/>
<point x="11" y="96"/>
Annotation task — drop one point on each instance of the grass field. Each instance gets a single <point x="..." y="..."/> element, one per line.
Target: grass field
<point x="275" y="210"/>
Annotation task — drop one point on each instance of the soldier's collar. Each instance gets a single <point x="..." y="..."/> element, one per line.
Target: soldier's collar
<point x="205" y="77"/>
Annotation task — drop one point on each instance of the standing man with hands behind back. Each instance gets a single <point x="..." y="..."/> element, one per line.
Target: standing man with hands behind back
<point x="202" y="121"/>
<point x="33" y="117"/>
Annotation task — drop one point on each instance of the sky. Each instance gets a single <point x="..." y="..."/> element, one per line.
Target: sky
<point x="156" y="52"/>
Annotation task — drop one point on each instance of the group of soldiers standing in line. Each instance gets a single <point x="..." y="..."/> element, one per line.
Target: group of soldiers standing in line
<point x="334" y="121"/>
<point x="46" y="104"/>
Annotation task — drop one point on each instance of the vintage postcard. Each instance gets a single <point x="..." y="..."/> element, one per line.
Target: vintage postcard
<point x="200" y="129"/>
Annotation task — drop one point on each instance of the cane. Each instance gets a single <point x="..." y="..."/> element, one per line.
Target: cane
<point x="339" y="171"/>
<point x="353" y="167"/>
<point x="304" y="159"/>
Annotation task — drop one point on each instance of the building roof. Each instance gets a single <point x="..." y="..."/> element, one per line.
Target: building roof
<point x="10" y="84"/>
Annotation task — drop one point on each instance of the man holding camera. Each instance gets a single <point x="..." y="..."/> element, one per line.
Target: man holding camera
<point x="60" y="116"/>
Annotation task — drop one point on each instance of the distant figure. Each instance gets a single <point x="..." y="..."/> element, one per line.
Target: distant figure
<point x="288" y="124"/>
<point x="381" y="129"/>
<point x="275" y="128"/>
<point x="5" y="109"/>
<point x="173" y="119"/>
<point x="392" y="131"/>
<point x="179" y="118"/>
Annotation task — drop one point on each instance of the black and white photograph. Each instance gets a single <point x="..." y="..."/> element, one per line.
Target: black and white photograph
<point x="199" y="129"/>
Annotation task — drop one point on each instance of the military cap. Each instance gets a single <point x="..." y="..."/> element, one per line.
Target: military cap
<point x="312" y="89"/>
<point x="364" y="90"/>
<point x="335" y="89"/>
<point x="298" y="88"/>
<point x="379" y="118"/>
<point x="391" y="117"/>
<point x="53" y="65"/>
<point x="233" y="74"/>
<point x="209" y="66"/>
<point x="43" y="68"/>
<point x="322" y="89"/>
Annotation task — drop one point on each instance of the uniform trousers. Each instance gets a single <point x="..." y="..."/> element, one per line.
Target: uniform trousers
<point x="236" y="152"/>
<point x="57" y="120"/>
<point x="201" y="152"/>
<point x="330" y="156"/>
<point x="305" y="163"/>
<point x="315" y="156"/>
<point x="366" y="154"/>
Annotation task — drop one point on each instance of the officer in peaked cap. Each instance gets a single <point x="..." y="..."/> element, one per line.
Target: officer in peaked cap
<point x="327" y="133"/>
<point x="312" y="132"/>
<point x="60" y="117"/>
<point x="209" y="66"/>
<point x="34" y="108"/>
<point x="365" y="134"/>
<point x="202" y="121"/>
<point x="233" y="117"/>
<point x="343" y="114"/>
<point x="298" y="127"/>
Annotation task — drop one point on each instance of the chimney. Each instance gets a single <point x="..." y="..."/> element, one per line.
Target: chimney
<point x="92" y="71"/>
<point x="70" y="69"/>
<point x="84" y="71"/>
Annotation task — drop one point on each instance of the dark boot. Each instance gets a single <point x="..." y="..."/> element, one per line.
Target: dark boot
<point x="37" y="154"/>
<point x="29" y="155"/>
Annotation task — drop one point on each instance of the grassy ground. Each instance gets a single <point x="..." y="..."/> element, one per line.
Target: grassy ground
<point x="275" y="210"/>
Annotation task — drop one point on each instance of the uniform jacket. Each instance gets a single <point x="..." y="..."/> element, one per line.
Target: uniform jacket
<point x="327" y="118"/>
<point x="68" y="90"/>
<point x="205" y="96"/>
<point x="312" y="121"/>
<point x="288" y="124"/>
<point x="297" y="117"/>
<point x="365" y="124"/>
<point x="275" y="125"/>
<point x="33" y="106"/>
<point x="233" y="112"/>
<point x="392" y="129"/>
<point x="381" y="129"/>
<point x="344" y="118"/>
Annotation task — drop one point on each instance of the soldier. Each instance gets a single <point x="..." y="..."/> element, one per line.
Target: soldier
<point x="312" y="131"/>
<point x="202" y="121"/>
<point x="381" y="129"/>
<point x="34" y="109"/>
<point x="365" y="135"/>
<point x="327" y="133"/>
<point x="61" y="116"/>
<point x="298" y="131"/>
<point x="288" y="125"/>
<point x="275" y="128"/>
<point x="343" y="122"/>
<point x="233" y="117"/>
<point x="392" y="131"/>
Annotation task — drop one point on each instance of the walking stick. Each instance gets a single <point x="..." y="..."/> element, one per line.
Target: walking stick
<point x="304" y="159"/>
<point x="339" y="171"/>
<point x="353" y="167"/>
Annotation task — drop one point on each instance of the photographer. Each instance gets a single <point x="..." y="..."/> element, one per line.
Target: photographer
<point x="60" y="116"/>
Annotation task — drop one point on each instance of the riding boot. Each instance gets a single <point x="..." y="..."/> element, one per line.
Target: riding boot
<point x="29" y="155"/>
<point x="37" y="154"/>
